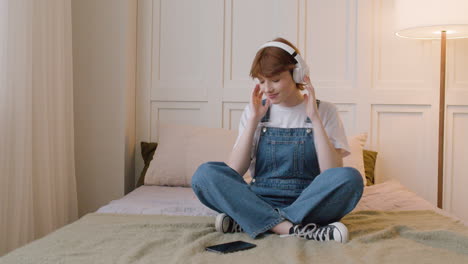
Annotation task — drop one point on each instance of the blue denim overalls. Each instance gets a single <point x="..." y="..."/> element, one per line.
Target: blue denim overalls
<point x="286" y="162"/>
<point x="287" y="184"/>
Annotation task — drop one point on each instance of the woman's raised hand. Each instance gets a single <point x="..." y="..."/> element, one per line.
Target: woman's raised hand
<point x="258" y="110"/>
<point x="311" y="105"/>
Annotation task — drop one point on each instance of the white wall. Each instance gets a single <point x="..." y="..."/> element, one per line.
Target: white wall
<point x="194" y="59"/>
<point x="104" y="55"/>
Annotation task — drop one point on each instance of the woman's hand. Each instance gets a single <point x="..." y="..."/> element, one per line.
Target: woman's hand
<point x="258" y="110"/>
<point x="311" y="104"/>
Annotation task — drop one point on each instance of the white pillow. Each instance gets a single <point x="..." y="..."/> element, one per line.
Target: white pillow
<point x="356" y="159"/>
<point x="182" y="148"/>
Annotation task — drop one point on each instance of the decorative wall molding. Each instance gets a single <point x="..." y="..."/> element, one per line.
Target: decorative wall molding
<point x="456" y="168"/>
<point x="331" y="49"/>
<point x="232" y="113"/>
<point x="190" y="113"/>
<point x="457" y="77"/>
<point x="249" y="24"/>
<point x="381" y="84"/>
<point x="398" y="64"/>
<point x="400" y="135"/>
<point x="347" y="114"/>
<point x="187" y="53"/>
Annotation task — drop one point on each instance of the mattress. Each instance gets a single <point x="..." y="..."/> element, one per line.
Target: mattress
<point x="163" y="200"/>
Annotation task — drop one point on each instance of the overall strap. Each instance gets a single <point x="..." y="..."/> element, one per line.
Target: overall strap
<point x="266" y="117"/>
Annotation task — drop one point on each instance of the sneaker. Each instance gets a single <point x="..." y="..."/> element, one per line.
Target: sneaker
<point x="225" y="224"/>
<point x="334" y="231"/>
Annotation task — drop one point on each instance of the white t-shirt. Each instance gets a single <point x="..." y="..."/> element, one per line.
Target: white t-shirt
<point x="295" y="117"/>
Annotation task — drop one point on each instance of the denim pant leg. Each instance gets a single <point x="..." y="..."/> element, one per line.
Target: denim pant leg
<point x="222" y="189"/>
<point x="331" y="195"/>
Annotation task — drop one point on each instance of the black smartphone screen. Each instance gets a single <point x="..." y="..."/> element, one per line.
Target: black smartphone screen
<point x="230" y="247"/>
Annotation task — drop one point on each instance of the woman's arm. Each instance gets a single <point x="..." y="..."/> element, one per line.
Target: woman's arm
<point x="328" y="156"/>
<point x="240" y="159"/>
<point x="240" y="155"/>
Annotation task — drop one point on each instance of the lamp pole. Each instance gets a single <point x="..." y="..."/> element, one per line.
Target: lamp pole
<point x="440" y="176"/>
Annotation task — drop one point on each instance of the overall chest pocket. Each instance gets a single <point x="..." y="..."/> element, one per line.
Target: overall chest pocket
<point x="287" y="158"/>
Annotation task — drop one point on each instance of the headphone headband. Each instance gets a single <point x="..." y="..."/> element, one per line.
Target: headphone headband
<point x="301" y="67"/>
<point x="280" y="45"/>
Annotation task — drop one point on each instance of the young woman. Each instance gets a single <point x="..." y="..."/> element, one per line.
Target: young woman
<point x="293" y="145"/>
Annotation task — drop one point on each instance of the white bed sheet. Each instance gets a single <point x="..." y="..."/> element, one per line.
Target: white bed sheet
<point x="158" y="200"/>
<point x="388" y="196"/>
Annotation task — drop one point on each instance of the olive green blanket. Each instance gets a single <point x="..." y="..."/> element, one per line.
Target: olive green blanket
<point x="376" y="237"/>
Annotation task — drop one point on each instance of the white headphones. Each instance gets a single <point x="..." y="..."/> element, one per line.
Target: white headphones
<point x="301" y="69"/>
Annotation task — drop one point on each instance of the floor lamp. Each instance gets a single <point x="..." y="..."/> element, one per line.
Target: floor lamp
<point x="434" y="19"/>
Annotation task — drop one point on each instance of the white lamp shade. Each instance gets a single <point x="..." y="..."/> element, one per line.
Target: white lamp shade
<point x="425" y="19"/>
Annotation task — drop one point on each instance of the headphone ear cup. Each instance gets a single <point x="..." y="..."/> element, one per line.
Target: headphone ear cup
<point x="298" y="75"/>
<point x="303" y="72"/>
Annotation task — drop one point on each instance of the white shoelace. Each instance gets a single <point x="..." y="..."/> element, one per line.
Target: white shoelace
<point x="312" y="231"/>
<point x="236" y="228"/>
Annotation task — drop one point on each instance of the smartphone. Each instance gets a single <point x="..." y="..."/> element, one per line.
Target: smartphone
<point x="230" y="247"/>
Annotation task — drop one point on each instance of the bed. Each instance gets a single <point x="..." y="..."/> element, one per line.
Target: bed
<point x="167" y="224"/>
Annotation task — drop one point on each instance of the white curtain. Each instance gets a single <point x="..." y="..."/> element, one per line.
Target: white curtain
<point x="37" y="170"/>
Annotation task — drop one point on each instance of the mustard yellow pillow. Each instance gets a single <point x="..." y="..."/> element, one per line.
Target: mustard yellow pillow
<point x="370" y="157"/>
